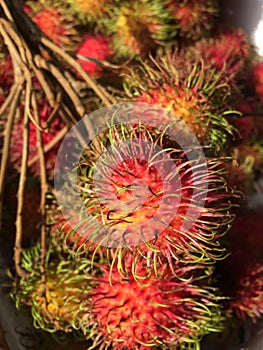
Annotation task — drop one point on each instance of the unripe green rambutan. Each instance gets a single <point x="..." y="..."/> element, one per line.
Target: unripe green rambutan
<point x="137" y="26"/>
<point x="55" y="300"/>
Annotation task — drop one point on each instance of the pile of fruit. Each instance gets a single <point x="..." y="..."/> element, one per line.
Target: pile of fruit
<point x="190" y="87"/>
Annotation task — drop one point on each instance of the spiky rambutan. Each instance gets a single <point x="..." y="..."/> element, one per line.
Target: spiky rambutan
<point x="248" y="301"/>
<point x="16" y="145"/>
<point x="241" y="273"/>
<point x="55" y="20"/>
<point x="95" y="47"/>
<point x="91" y="10"/>
<point x="227" y="50"/>
<point x="191" y="91"/>
<point x="164" y="311"/>
<point x="194" y="18"/>
<point x="246" y="163"/>
<point x="55" y="302"/>
<point x="137" y="26"/>
<point x="164" y="220"/>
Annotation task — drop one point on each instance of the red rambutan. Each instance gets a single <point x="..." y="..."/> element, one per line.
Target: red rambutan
<point x="242" y="271"/>
<point x="164" y="311"/>
<point x="227" y="50"/>
<point x="191" y="91"/>
<point x="139" y="201"/>
<point x="95" y="47"/>
<point x="194" y="18"/>
<point x="54" y="19"/>
<point x="248" y="301"/>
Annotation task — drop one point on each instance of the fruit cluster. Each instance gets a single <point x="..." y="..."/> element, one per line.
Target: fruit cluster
<point x="197" y="262"/>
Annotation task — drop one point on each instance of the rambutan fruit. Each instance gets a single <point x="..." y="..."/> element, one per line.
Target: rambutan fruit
<point x="246" y="163"/>
<point x="228" y="50"/>
<point x="151" y="198"/>
<point x="55" y="20"/>
<point x="194" y="18"/>
<point x="91" y="10"/>
<point x="241" y="273"/>
<point x="137" y="26"/>
<point x="16" y="145"/>
<point x="96" y="47"/>
<point x="161" y="312"/>
<point x="56" y="301"/>
<point x="190" y="90"/>
<point x="248" y="301"/>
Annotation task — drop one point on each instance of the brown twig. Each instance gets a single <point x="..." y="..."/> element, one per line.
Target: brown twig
<point x="35" y="55"/>
<point x="44" y="190"/>
<point x="21" y="188"/>
<point x="60" y="135"/>
<point x="97" y="88"/>
<point x="17" y="88"/>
